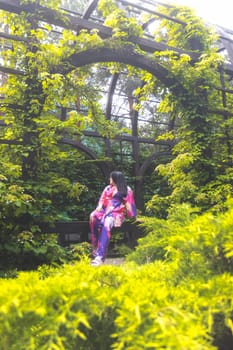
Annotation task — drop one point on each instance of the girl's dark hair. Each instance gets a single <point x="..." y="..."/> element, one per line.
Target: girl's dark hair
<point x="120" y="182"/>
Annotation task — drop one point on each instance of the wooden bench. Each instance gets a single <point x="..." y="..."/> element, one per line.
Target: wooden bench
<point x="79" y="231"/>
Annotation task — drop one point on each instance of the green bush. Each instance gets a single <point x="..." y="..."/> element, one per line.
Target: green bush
<point x="26" y="253"/>
<point x="127" y="307"/>
<point x="199" y="245"/>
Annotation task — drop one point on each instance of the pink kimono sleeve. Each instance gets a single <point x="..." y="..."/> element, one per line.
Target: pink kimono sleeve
<point x="103" y="198"/>
<point x="130" y="205"/>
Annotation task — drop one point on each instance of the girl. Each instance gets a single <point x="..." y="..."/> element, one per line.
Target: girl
<point x="116" y="201"/>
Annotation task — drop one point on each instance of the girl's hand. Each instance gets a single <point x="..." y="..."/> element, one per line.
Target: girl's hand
<point x="99" y="208"/>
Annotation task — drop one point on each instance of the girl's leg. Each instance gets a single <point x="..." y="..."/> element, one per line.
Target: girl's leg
<point x="94" y="223"/>
<point x="104" y="237"/>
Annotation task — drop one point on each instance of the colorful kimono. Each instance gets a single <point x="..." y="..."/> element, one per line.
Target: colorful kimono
<point x="114" y="209"/>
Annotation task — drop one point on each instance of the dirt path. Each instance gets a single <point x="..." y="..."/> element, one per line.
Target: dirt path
<point x="114" y="261"/>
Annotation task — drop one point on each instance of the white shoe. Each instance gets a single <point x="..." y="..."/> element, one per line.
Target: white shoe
<point x="97" y="261"/>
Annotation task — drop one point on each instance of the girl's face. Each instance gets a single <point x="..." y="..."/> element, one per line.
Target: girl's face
<point x="112" y="183"/>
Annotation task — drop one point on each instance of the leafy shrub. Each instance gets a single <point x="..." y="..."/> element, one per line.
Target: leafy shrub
<point x="25" y="253"/>
<point x="200" y="245"/>
<point x="128" y="307"/>
<point x="80" y="251"/>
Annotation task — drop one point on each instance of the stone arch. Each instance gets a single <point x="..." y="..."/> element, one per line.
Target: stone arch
<point x="126" y="55"/>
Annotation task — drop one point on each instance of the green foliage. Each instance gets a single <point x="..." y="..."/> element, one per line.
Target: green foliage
<point x="123" y="25"/>
<point x="198" y="244"/>
<point x="27" y="251"/>
<point x="185" y="187"/>
<point x="129" y="307"/>
<point x="199" y="172"/>
<point x="80" y="251"/>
